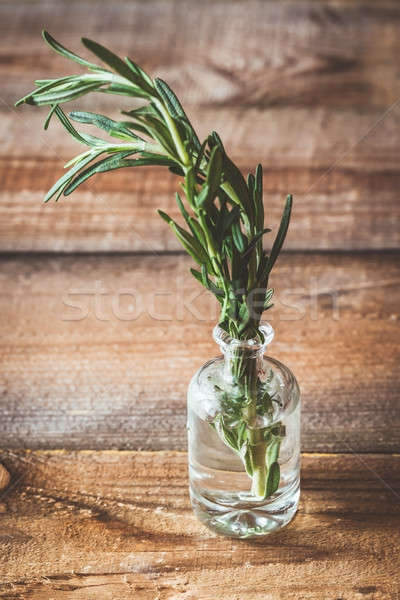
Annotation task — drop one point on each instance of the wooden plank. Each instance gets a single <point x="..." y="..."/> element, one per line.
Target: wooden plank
<point x="348" y="204"/>
<point x="102" y="525"/>
<point x="97" y="351"/>
<point x="256" y="53"/>
<point x="302" y="87"/>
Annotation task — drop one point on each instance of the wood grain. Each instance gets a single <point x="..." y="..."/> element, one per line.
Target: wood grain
<point x="309" y="89"/>
<point x="254" y="53"/>
<point x="4" y="477"/>
<point x="97" y="351"/>
<point x="345" y="185"/>
<point x="103" y="525"/>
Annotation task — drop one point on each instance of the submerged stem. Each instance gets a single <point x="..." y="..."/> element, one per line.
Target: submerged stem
<point x="245" y="422"/>
<point x="255" y="435"/>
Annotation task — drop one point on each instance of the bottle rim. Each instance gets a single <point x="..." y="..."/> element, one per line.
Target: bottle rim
<point x="225" y="341"/>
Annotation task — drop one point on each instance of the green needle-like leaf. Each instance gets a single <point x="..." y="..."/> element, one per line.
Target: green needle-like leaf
<point x="68" y="125"/>
<point x="112" y="127"/>
<point x="67" y="53"/>
<point x="254" y="241"/>
<point x="106" y="164"/>
<point x="171" y="101"/>
<point x="113" y="61"/>
<point x="64" y="180"/>
<point x="280" y="238"/>
<point x="147" y="82"/>
<point x="230" y="218"/>
<point x="214" y="171"/>
<point x="273" y="480"/>
<point x="238" y="238"/>
<point x="50" y="114"/>
<point x="56" y="96"/>
<point x="174" y="107"/>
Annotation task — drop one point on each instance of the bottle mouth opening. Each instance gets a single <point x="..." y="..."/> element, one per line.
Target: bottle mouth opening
<point x="225" y="341"/>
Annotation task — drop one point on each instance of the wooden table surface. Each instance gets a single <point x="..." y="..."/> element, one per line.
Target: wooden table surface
<point x="102" y="325"/>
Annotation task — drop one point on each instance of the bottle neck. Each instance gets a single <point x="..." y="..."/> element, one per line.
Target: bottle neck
<point x="241" y="363"/>
<point x="243" y="358"/>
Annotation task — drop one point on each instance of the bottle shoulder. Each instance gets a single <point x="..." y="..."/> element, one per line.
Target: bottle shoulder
<point x="208" y="388"/>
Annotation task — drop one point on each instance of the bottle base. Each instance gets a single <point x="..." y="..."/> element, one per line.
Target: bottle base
<point x="246" y="523"/>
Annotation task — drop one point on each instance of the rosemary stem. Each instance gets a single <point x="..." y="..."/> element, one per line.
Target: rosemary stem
<point x="247" y="372"/>
<point x="259" y="477"/>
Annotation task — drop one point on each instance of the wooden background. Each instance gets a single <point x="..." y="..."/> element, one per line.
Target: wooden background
<point x="102" y="326"/>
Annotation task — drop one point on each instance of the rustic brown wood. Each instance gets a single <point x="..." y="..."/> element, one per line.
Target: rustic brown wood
<point x="97" y="351"/>
<point x="344" y="199"/>
<point x="102" y="525"/>
<point x="106" y="371"/>
<point x="4" y="477"/>
<point x="220" y="52"/>
<point x="302" y="87"/>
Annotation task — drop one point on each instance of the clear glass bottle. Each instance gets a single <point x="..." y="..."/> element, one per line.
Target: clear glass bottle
<point x="244" y="439"/>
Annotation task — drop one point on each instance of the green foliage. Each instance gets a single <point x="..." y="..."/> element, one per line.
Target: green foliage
<point x="223" y="213"/>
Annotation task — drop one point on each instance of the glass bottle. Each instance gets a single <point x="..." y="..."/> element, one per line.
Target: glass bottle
<point x="244" y="439"/>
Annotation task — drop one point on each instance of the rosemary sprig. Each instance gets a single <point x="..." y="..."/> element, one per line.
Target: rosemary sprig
<point x="223" y="214"/>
